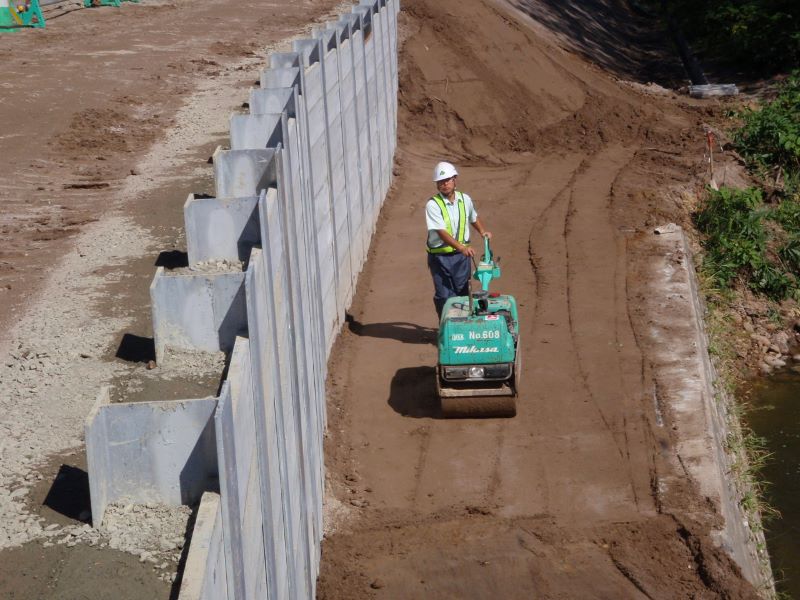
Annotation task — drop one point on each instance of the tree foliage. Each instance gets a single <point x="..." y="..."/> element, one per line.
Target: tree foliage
<point x="755" y="34"/>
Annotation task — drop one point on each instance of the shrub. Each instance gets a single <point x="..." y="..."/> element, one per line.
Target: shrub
<point x="769" y="137"/>
<point x="739" y="244"/>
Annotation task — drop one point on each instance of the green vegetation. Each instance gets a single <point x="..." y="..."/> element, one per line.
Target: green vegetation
<point x="750" y="456"/>
<point x="748" y="240"/>
<point x="759" y="35"/>
<point x="769" y="138"/>
<point x="741" y="246"/>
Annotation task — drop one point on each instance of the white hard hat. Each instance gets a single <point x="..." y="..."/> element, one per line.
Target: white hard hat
<point x="444" y="170"/>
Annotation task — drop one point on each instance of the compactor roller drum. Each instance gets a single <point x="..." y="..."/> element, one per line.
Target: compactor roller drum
<point x="479" y="361"/>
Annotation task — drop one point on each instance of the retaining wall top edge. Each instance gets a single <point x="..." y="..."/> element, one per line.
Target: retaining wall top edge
<point x="162" y="405"/>
<point x="187" y="273"/>
<point x="158" y="274"/>
<point x="103" y="398"/>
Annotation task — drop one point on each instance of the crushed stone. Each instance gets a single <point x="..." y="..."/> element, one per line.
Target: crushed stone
<point x="156" y="533"/>
<point x="208" y="267"/>
<point x="53" y="368"/>
<point x="178" y="363"/>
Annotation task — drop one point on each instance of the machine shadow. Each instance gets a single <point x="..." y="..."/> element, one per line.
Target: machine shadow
<point x="407" y="333"/>
<point x="413" y="393"/>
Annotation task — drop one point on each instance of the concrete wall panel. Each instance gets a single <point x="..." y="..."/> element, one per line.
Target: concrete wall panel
<point x="231" y="499"/>
<point x="220" y="229"/>
<point x="197" y="311"/>
<point x="239" y="173"/>
<point x="268" y="438"/>
<point x="204" y="574"/>
<point x="296" y="465"/>
<point x="254" y="132"/>
<point x="161" y="452"/>
<point x="273" y="99"/>
<point x="240" y="484"/>
<point x="280" y="77"/>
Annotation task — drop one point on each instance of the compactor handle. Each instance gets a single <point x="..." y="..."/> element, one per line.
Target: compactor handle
<point x="488" y="268"/>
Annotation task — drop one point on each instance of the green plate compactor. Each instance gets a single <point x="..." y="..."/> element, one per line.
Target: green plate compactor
<point x="479" y="355"/>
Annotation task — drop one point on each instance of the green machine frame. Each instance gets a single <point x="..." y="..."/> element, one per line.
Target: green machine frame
<point x="21" y="15"/>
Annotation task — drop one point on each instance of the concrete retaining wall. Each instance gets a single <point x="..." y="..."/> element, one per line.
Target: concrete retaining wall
<point x="197" y="311"/>
<point x="206" y="558"/>
<point x="220" y="229"/>
<point x="743" y="540"/>
<point x="297" y="199"/>
<point x="149" y="452"/>
<point x="686" y="387"/>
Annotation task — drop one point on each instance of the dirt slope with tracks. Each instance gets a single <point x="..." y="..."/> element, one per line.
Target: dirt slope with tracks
<point x="571" y="166"/>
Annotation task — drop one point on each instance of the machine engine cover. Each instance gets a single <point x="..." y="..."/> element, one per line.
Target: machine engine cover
<point x="488" y="338"/>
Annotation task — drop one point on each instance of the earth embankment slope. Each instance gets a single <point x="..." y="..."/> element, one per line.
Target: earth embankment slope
<point x="569" y="167"/>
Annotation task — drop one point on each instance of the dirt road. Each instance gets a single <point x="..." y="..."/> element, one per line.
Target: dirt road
<point x="570" y="168"/>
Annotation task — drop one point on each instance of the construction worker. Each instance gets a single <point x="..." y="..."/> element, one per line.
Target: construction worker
<point x="448" y="214"/>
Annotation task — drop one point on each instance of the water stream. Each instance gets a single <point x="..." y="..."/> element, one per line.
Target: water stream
<point x="775" y="416"/>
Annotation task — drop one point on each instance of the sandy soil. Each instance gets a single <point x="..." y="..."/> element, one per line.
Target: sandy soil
<point x="572" y="164"/>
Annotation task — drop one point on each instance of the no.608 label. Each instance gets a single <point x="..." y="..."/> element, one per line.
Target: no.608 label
<point x="487" y="334"/>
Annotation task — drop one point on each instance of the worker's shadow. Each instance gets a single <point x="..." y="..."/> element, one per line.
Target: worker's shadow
<point x="413" y="393"/>
<point x="407" y="333"/>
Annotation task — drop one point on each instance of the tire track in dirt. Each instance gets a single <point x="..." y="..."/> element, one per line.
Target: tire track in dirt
<point x="607" y="356"/>
<point x="562" y="500"/>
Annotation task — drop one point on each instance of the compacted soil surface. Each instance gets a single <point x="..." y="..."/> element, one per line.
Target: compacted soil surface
<point x="109" y="117"/>
<point x="573" y="159"/>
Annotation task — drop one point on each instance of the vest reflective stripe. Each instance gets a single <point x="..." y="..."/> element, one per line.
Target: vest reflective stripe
<point x="462" y="223"/>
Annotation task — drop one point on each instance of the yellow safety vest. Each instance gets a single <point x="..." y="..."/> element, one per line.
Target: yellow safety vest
<point x="462" y="223"/>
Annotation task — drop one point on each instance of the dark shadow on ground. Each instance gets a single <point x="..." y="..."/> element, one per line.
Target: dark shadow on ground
<point x="69" y="494"/>
<point x="631" y="45"/>
<point x="413" y="393"/>
<point x="172" y="259"/>
<point x="407" y="333"/>
<point x="135" y="348"/>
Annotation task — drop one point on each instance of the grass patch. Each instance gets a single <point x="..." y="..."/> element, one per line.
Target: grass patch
<point x="747" y="241"/>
